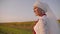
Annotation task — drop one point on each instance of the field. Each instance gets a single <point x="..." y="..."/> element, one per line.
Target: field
<point x="17" y="28"/>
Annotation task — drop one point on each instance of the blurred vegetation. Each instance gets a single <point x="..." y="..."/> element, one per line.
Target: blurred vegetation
<point x="17" y="28"/>
<point x="59" y="21"/>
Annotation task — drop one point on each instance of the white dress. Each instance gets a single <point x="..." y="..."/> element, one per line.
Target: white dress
<point x="41" y="27"/>
<point x="46" y="26"/>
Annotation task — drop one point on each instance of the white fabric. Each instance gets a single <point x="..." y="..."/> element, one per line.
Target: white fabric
<point x="42" y="26"/>
<point x="46" y="26"/>
<point x="53" y="24"/>
<point x="40" y="5"/>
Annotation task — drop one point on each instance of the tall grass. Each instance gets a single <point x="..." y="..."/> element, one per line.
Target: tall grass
<point x="16" y="28"/>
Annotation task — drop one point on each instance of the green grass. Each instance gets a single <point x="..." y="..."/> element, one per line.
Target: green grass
<point x="7" y="30"/>
<point x="16" y="28"/>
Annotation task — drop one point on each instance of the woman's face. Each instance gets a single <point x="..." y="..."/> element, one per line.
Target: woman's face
<point x="38" y="11"/>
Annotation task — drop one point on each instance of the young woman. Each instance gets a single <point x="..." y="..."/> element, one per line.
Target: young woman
<point x="44" y="25"/>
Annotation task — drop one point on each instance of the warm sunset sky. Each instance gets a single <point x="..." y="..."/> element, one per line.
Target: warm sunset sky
<point x="22" y="10"/>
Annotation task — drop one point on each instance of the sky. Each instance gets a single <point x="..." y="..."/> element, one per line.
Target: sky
<point x="22" y="10"/>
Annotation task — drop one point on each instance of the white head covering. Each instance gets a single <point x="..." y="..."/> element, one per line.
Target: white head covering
<point x="40" y="5"/>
